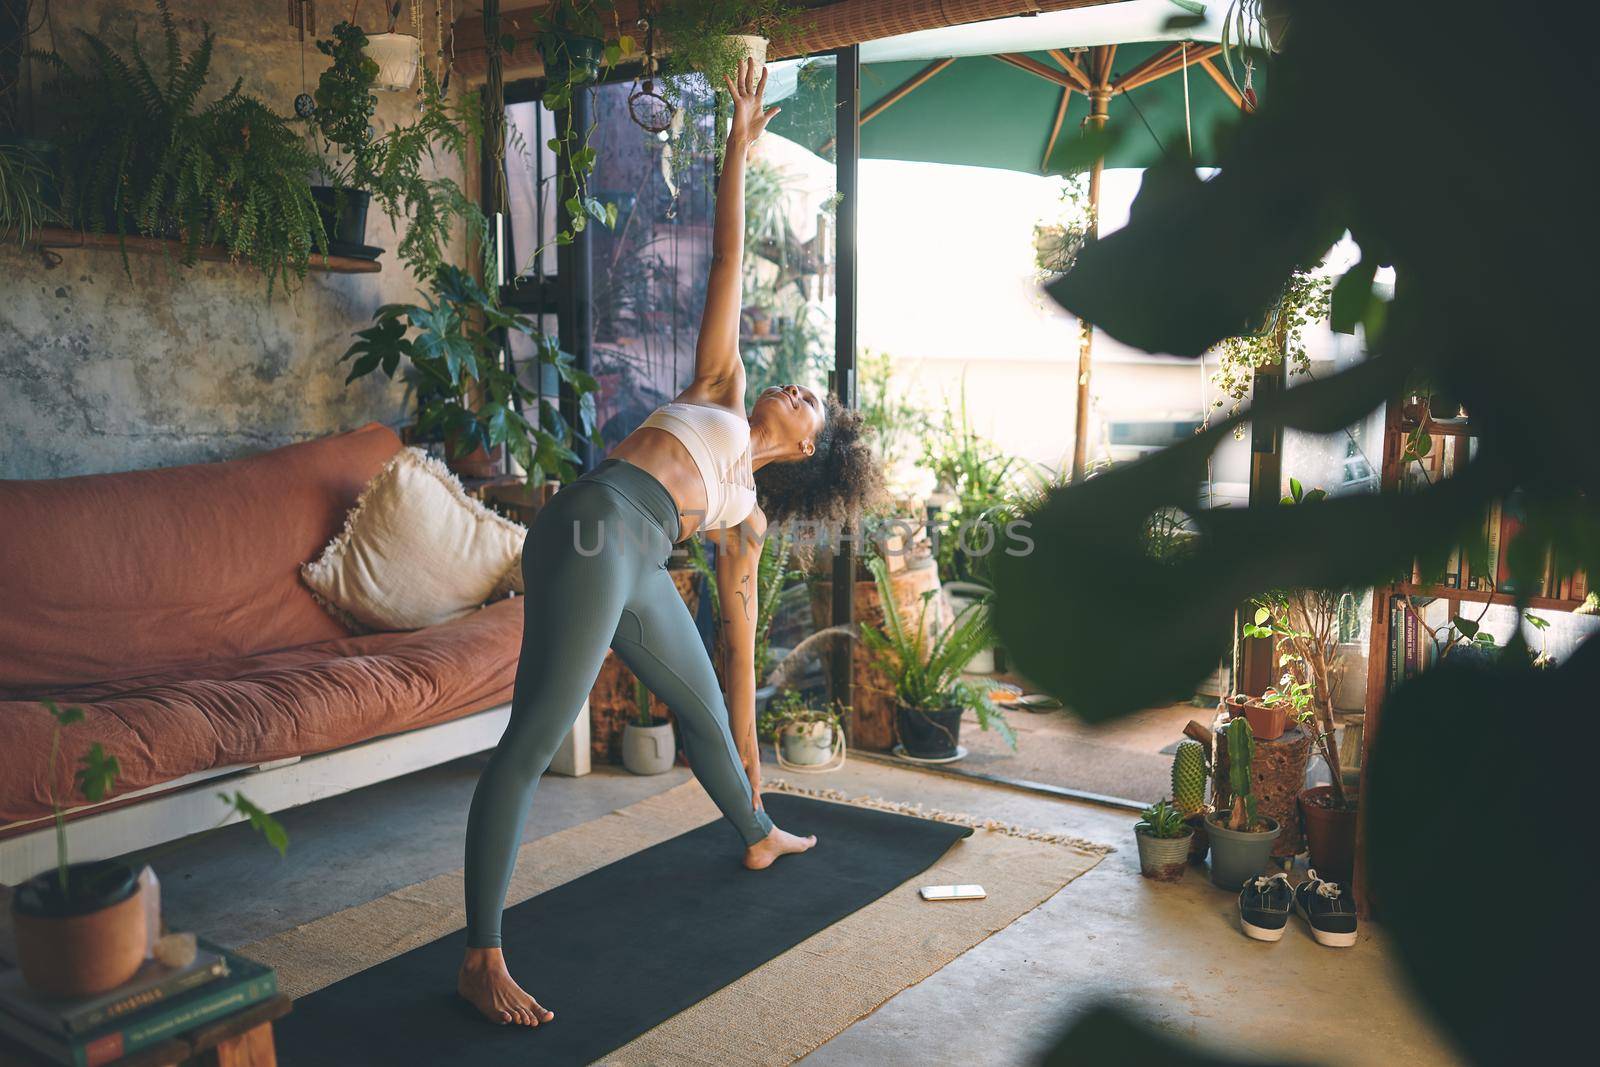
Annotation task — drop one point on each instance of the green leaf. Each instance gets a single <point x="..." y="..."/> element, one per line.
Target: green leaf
<point x="265" y="824"/>
<point x="1295" y="489"/>
<point x="1351" y="296"/>
<point x="1262" y="615"/>
<point x="1467" y="627"/>
<point x="98" y="773"/>
<point x="63" y="716"/>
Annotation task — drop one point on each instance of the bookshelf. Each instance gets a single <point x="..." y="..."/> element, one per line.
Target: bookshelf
<point x="1401" y="419"/>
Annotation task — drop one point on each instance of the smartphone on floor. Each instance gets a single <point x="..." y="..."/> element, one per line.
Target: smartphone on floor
<point x="953" y="892"/>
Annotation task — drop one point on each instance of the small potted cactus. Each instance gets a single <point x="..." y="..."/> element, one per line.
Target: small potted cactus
<point x="1163" y="842"/>
<point x="1191" y="767"/>
<point x="1241" y="839"/>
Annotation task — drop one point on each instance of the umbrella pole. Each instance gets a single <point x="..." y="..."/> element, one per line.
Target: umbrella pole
<point x="1099" y="103"/>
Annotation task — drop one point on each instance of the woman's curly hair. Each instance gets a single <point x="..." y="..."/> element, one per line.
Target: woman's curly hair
<point x="834" y="484"/>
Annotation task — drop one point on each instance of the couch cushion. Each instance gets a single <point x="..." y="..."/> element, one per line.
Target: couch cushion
<point x="111" y="576"/>
<point x="255" y="708"/>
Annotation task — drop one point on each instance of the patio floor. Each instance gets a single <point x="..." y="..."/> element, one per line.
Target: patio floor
<point x="1171" y="952"/>
<point x="1123" y="759"/>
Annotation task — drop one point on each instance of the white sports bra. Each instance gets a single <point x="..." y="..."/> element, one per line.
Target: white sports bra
<point x="719" y="443"/>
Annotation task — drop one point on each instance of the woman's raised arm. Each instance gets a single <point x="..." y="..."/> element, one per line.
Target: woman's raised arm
<point x="718" y="370"/>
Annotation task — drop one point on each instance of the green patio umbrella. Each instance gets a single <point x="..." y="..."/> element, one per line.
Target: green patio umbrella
<point x="1006" y="111"/>
<point x="1025" y="111"/>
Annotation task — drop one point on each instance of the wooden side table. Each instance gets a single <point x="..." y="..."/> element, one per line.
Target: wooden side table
<point x="243" y="1039"/>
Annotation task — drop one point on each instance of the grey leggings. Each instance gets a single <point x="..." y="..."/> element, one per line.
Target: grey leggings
<point x="594" y="566"/>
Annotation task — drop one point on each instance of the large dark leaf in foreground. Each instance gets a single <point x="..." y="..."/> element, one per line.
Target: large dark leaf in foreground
<point x="1481" y="792"/>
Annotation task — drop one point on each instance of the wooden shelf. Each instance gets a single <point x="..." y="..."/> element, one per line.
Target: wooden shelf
<point x="56" y="237"/>
<point x="1479" y="596"/>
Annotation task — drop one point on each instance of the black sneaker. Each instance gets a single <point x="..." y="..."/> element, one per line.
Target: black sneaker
<point x="1330" y="912"/>
<point x="1264" y="905"/>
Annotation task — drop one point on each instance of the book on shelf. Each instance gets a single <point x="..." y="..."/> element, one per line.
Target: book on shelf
<point x="242" y="983"/>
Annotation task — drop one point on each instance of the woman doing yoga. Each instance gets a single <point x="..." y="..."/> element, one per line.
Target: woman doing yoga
<point x="594" y="570"/>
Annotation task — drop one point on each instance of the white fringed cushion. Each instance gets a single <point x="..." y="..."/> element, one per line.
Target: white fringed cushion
<point x="415" y="551"/>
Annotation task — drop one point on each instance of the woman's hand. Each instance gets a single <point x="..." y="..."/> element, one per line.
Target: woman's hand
<point x="748" y="118"/>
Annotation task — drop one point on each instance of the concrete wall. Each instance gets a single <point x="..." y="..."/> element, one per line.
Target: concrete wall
<point x="100" y="371"/>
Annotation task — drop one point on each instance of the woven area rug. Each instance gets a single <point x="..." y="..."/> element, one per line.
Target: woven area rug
<point x="772" y="1015"/>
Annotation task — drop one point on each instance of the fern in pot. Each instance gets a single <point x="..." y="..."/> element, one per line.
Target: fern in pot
<point x="926" y="669"/>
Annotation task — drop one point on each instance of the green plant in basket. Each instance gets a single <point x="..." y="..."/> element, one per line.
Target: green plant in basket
<point x="791" y="707"/>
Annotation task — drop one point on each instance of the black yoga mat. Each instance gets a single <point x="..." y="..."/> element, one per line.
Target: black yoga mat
<point x="623" y="948"/>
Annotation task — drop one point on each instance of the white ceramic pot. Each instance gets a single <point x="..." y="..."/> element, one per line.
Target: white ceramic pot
<point x="398" y="56"/>
<point x="807" y="744"/>
<point x="648" y="749"/>
<point x="961" y="596"/>
<point x="753" y="47"/>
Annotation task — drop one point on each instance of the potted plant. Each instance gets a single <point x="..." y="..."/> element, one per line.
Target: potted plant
<point x="712" y="37"/>
<point x="138" y="156"/>
<point x="1268" y="713"/>
<point x="1163" y="842"/>
<point x="1191" y="768"/>
<point x="1305" y="629"/>
<point x="467" y="395"/>
<point x="1240" y="839"/>
<point x="343" y="118"/>
<point x="571" y="42"/>
<point x="24" y="183"/>
<point x="81" y="927"/>
<point x="925" y="668"/>
<point x="647" y="743"/>
<point x="395" y="56"/>
<point x="805" y="737"/>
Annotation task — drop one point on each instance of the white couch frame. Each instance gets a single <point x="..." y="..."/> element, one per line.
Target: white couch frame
<point x="189" y="805"/>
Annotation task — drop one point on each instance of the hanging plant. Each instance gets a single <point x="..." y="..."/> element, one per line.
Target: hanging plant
<point x="1280" y="337"/>
<point x="710" y="38"/>
<point x="571" y="42"/>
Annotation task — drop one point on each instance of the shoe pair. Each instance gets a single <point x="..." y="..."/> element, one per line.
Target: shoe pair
<point x="1265" y="903"/>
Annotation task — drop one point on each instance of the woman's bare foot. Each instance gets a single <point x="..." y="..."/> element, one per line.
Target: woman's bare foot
<point x="778" y="843"/>
<point x="484" y="980"/>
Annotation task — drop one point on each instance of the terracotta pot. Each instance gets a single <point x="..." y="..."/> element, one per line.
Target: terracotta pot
<point x="87" y="944"/>
<point x="479" y="463"/>
<point x="1266" y="723"/>
<point x="1330" y="834"/>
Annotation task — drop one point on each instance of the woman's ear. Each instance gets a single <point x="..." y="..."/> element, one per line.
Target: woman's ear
<point x="808" y="448"/>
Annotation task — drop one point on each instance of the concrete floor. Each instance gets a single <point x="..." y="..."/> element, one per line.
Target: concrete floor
<point x="1172" y="952"/>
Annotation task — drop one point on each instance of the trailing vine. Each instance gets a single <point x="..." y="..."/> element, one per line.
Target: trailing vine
<point x="1280" y="337"/>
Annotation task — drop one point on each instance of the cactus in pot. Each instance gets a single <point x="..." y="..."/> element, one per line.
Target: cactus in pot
<point x="1191" y="768"/>
<point x="1189" y="774"/>
<point x="1240" y="838"/>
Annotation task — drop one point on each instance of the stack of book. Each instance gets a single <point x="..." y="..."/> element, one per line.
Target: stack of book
<point x="1412" y="649"/>
<point x="158" y="1003"/>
